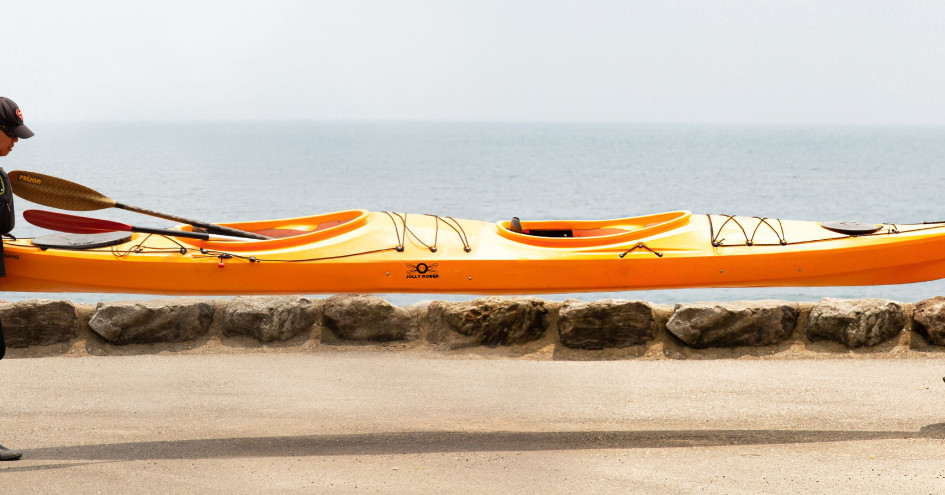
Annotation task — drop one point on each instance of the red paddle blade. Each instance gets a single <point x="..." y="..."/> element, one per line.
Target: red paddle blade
<point x="73" y="224"/>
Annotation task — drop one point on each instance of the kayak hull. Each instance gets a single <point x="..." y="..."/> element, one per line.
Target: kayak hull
<point x="359" y="251"/>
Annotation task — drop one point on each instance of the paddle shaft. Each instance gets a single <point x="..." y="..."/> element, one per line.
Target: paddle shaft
<point x="172" y="233"/>
<point x="209" y="227"/>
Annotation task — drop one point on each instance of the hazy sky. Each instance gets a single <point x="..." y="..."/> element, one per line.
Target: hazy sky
<point x="864" y="62"/>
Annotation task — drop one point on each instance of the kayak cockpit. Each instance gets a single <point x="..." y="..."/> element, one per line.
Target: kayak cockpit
<point x="297" y="230"/>
<point x="583" y="233"/>
<point x="286" y="232"/>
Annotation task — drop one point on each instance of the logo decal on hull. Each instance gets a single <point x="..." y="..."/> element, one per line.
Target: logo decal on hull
<point x="422" y="270"/>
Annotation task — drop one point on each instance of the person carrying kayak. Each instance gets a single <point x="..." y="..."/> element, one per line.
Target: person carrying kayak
<point x="11" y="131"/>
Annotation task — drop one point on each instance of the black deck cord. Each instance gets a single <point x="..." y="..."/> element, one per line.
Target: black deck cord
<point x="436" y="232"/>
<point x="729" y="218"/>
<point x="462" y="235"/>
<point x="460" y="232"/>
<point x="641" y="246"/>
<point x="254" y="259"/>
<point x="140" y="247"/>
<point x="207" y="253"/>
<point x="782" y="239"/>
<point x="403" y="219"/>
<point x="415" y="236"/>
<point x="711" y="232"/>
<point x="749" y="241"/>
<point x="400" y="242"/>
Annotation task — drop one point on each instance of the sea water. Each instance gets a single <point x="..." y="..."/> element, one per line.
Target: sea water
<point x="226" y="171"/>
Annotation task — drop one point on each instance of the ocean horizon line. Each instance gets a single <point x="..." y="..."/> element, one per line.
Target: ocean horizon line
<point x="734" y="125"/>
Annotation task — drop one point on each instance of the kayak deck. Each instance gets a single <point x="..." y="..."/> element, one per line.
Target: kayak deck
<point x="361" y="251"/>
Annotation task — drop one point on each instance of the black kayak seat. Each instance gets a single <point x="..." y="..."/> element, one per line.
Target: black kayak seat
<point x="81" y="241"/>
<point x="515" y="225"/>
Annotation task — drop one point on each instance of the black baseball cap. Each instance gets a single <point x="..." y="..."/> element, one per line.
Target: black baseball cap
<point x="11" y="120"/>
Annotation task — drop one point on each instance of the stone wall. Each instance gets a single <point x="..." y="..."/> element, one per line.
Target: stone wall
<point x="609" y="329"/>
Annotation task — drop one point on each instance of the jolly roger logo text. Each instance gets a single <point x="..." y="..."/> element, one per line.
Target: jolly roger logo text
<point x="422" y="270"/>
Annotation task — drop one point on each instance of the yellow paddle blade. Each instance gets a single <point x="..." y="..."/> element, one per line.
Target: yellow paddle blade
<point x="57" y="193"/>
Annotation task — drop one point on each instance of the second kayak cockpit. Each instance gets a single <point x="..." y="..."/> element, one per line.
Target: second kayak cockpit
<point x="584" y="233"/>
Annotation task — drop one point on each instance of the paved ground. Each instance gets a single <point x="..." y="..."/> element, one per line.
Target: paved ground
<point x="407" y="422"/>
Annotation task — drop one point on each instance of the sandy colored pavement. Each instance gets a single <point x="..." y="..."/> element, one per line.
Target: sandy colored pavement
<point x="368" y="422"/>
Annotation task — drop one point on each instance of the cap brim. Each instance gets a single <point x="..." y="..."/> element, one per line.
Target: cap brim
<point x="23" y="132"/>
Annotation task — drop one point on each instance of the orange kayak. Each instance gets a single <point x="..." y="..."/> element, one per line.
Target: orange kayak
<point x="381" y="252"/>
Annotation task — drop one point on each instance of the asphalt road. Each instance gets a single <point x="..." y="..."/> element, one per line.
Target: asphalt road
<point x="411" y="422"/>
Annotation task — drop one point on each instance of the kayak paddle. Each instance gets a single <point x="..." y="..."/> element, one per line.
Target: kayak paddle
<point x="84" y="225"/>
<point x="65" y="195"/>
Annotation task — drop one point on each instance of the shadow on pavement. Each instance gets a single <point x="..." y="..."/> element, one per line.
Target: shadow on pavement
<point x="449" y="441"/>
<point x="18" y="467"/>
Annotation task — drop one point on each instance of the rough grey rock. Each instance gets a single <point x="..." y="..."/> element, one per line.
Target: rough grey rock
<point x="855" y="322"/>
<point x="145" y="322"/>
<point x="606" y="323"/>
<point x="741" y="323"/>
<point x="369" y="318"/>
<point x="38" y="322"/>
<point x="491" y="321"/>
<point x="268" y="318"/>
<point x="929" y="317"/>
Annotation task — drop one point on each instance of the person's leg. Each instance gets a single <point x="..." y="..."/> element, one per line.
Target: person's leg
<point x="5" y="453"/>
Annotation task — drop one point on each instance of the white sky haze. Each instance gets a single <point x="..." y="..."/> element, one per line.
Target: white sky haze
<point x="683" y="61"/>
